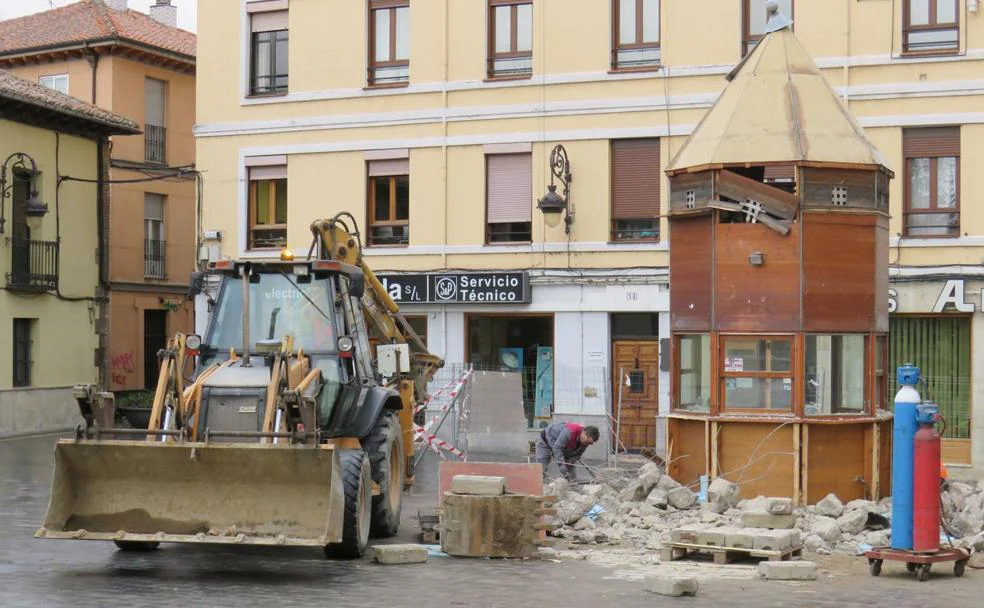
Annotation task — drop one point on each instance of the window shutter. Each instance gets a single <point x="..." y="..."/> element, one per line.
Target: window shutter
<point x="931" y="142"/>
<point x="783" y="173"/>
<point x="273" y="21"/>
<point x="154" y="101"/>
<point x="393" y="166"/>
<point x="510" y="188"/>
<point x="268" y="172"/>
<point x="636" y="179"/>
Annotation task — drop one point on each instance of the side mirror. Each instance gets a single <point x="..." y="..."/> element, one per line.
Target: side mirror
<point x="196" y="284"/>
<point x="357" y="284"/>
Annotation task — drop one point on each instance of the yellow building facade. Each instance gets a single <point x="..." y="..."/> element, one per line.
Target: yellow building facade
<point x="52" y="304"/>
<point x="433" y="124"/>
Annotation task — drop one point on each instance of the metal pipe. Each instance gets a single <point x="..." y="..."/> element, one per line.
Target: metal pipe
<point x="257" y="434"/>
<point x="276" y="424"/>
<point x="168" y="413"/>
<point x="244" y="274"/>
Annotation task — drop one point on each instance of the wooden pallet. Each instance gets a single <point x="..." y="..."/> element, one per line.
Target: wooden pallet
<point x="722" y="555"/>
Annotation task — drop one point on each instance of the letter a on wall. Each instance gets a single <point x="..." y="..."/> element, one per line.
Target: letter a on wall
<point x="953" y="293"/>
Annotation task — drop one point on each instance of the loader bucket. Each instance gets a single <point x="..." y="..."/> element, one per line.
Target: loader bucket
<point x="220" y="493"/>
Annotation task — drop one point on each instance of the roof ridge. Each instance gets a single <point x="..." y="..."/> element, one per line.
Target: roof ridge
<point x="104" y="13"/>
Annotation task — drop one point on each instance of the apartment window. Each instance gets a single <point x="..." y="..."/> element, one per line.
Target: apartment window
<point x="930" y="26"/>
<point x="932" y="182"/>
<point x="835" y="372"/>
<point x="389" y="202"/>
<point x="754" y="19"/>
<point x="510" y="38"/>
<point x="635" y="175"/>
<point x="268" y="57"/>
<point x="509" y="198"/>
<point x="636" y="34"/>
<point x="389" y="41"/>
<point x="154" y="243"/>
<point x="155" y="132"/>
<point x="58" y="82"/>
<point x="23" y="345"/>
<point x="267" y="207"/>
<point x="757" y="373"/>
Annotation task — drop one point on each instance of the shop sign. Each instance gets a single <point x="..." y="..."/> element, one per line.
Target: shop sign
<point x="951" y="298"/>
<point x="457" y="288"/>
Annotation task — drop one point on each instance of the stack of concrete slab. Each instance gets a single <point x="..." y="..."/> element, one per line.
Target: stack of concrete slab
<point x="496" y="420"/>
<point x="754" y="539"/>
<point x="479" y="518"/>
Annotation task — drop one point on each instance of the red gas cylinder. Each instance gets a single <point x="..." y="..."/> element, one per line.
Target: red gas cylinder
<point x="926" y="489"/>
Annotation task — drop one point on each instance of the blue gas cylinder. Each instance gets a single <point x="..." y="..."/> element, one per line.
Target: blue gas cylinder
<point x="907" y="402"/>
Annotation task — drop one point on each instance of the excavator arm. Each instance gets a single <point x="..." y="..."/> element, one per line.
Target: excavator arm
<point x="336" y="240"/>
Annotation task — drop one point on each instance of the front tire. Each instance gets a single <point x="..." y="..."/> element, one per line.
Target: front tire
<point x="384" y="447"/>
<point x="357" y="481"/>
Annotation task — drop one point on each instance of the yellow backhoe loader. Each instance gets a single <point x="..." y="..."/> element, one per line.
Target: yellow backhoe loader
<point x="289" y="422"/>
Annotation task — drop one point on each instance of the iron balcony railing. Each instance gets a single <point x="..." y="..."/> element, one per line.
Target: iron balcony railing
<point x="155" y="255"/>
<point x="33" y="265"/>
<point x="155" y="144"/>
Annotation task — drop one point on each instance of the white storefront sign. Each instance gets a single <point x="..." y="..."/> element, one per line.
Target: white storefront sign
<point x="923" y="298"/>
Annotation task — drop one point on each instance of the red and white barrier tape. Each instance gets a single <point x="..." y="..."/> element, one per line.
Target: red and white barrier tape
<point x="437" y="444"/>
<point x="452" y="382"/>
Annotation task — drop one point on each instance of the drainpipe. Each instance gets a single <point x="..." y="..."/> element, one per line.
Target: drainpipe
<point x="102" y="242"/>
<point x="847" y="49"/>
<point x="93" y="58"/>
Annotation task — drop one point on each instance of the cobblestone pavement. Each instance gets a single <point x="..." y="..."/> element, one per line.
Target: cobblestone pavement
<point x="81" y="574"/>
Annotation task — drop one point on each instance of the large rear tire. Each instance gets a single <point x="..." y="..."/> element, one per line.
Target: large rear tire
<point x="357" y="481"/>
<point x="384" y="446"/>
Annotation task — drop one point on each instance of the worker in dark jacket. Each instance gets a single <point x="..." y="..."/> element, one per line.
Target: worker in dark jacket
<point x="564" y="442"/>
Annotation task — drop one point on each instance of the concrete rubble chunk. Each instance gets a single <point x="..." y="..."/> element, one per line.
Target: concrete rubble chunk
<point x="687" y="534"/>
<point x="860" y="503"/>
<point x="672" y="586"/>
<point x="400" y="554"/>
<point x="764" y="519"/>
<point x="681" y="498"/>
<point x="774" y="540"/>
<point x="667" y="483"/>
<point x="478" y="485"/>
<point x="714" y="537"/>
<point x="852" y="522"/>
<point x="827" y="529"/>
<point x="586" y="537"/>
<point x="877" y="538"/>
<point x="585" y="523"/>
<point x="968" y="522"/>
<point x="635" y="492"/>
<point x="780" y="506"/>
<point x="742" y="538"/>
<point x="815" y="544"/>
<point x="657" y="498"/>
<point x="830" y="506"/>
<point x="788" y="571"/>
<point x="759" y="503"/>
<point x="649" y="479"/>
<point x="722" y="495"/>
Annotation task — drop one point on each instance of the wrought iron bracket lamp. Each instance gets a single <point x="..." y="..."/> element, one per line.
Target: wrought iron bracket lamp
<point x="553" y="204"/>
<point x="16" y="163"/>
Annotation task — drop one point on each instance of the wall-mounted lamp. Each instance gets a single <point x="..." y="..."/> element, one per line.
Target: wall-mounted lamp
<point x="22" y="168"/>
<point x="553" y="204"/>
<point x="756" y="259"/>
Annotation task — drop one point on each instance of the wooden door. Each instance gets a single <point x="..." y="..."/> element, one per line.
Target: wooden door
<point x="638" y="361"/>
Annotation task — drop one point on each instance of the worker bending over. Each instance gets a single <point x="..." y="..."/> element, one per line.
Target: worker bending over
<point x="564" y="442"/>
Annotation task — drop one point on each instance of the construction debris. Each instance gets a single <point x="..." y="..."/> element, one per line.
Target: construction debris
<point x="788" y="571"/>
<point x="672" y="586"/>
<point x="400" y="554"/>
<point x="478" y="485"/>
<point x="647" y="509"/>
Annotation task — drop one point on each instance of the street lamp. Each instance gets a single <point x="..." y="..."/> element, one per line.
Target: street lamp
<point x="19" y="163"/>
<point x="553" y="204"/>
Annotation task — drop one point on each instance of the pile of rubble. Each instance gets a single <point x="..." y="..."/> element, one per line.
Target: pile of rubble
<point x="643" y="510"/>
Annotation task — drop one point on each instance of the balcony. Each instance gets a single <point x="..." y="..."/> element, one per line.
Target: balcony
<point x="155" y="144"/>
<point x="33" y="266"/>
<point x="155" y="254"/>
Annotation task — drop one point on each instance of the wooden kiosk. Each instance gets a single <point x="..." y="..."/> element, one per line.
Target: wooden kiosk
<point x="779" y="272"/>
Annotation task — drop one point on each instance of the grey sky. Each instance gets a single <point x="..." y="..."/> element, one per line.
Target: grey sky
<point x="187" y="9"/>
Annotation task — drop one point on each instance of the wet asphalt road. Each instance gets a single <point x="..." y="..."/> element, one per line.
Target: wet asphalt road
<point x="78" y="574"/>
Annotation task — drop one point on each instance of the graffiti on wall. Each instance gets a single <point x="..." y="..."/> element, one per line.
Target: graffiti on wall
<point x="121" y="366"/>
